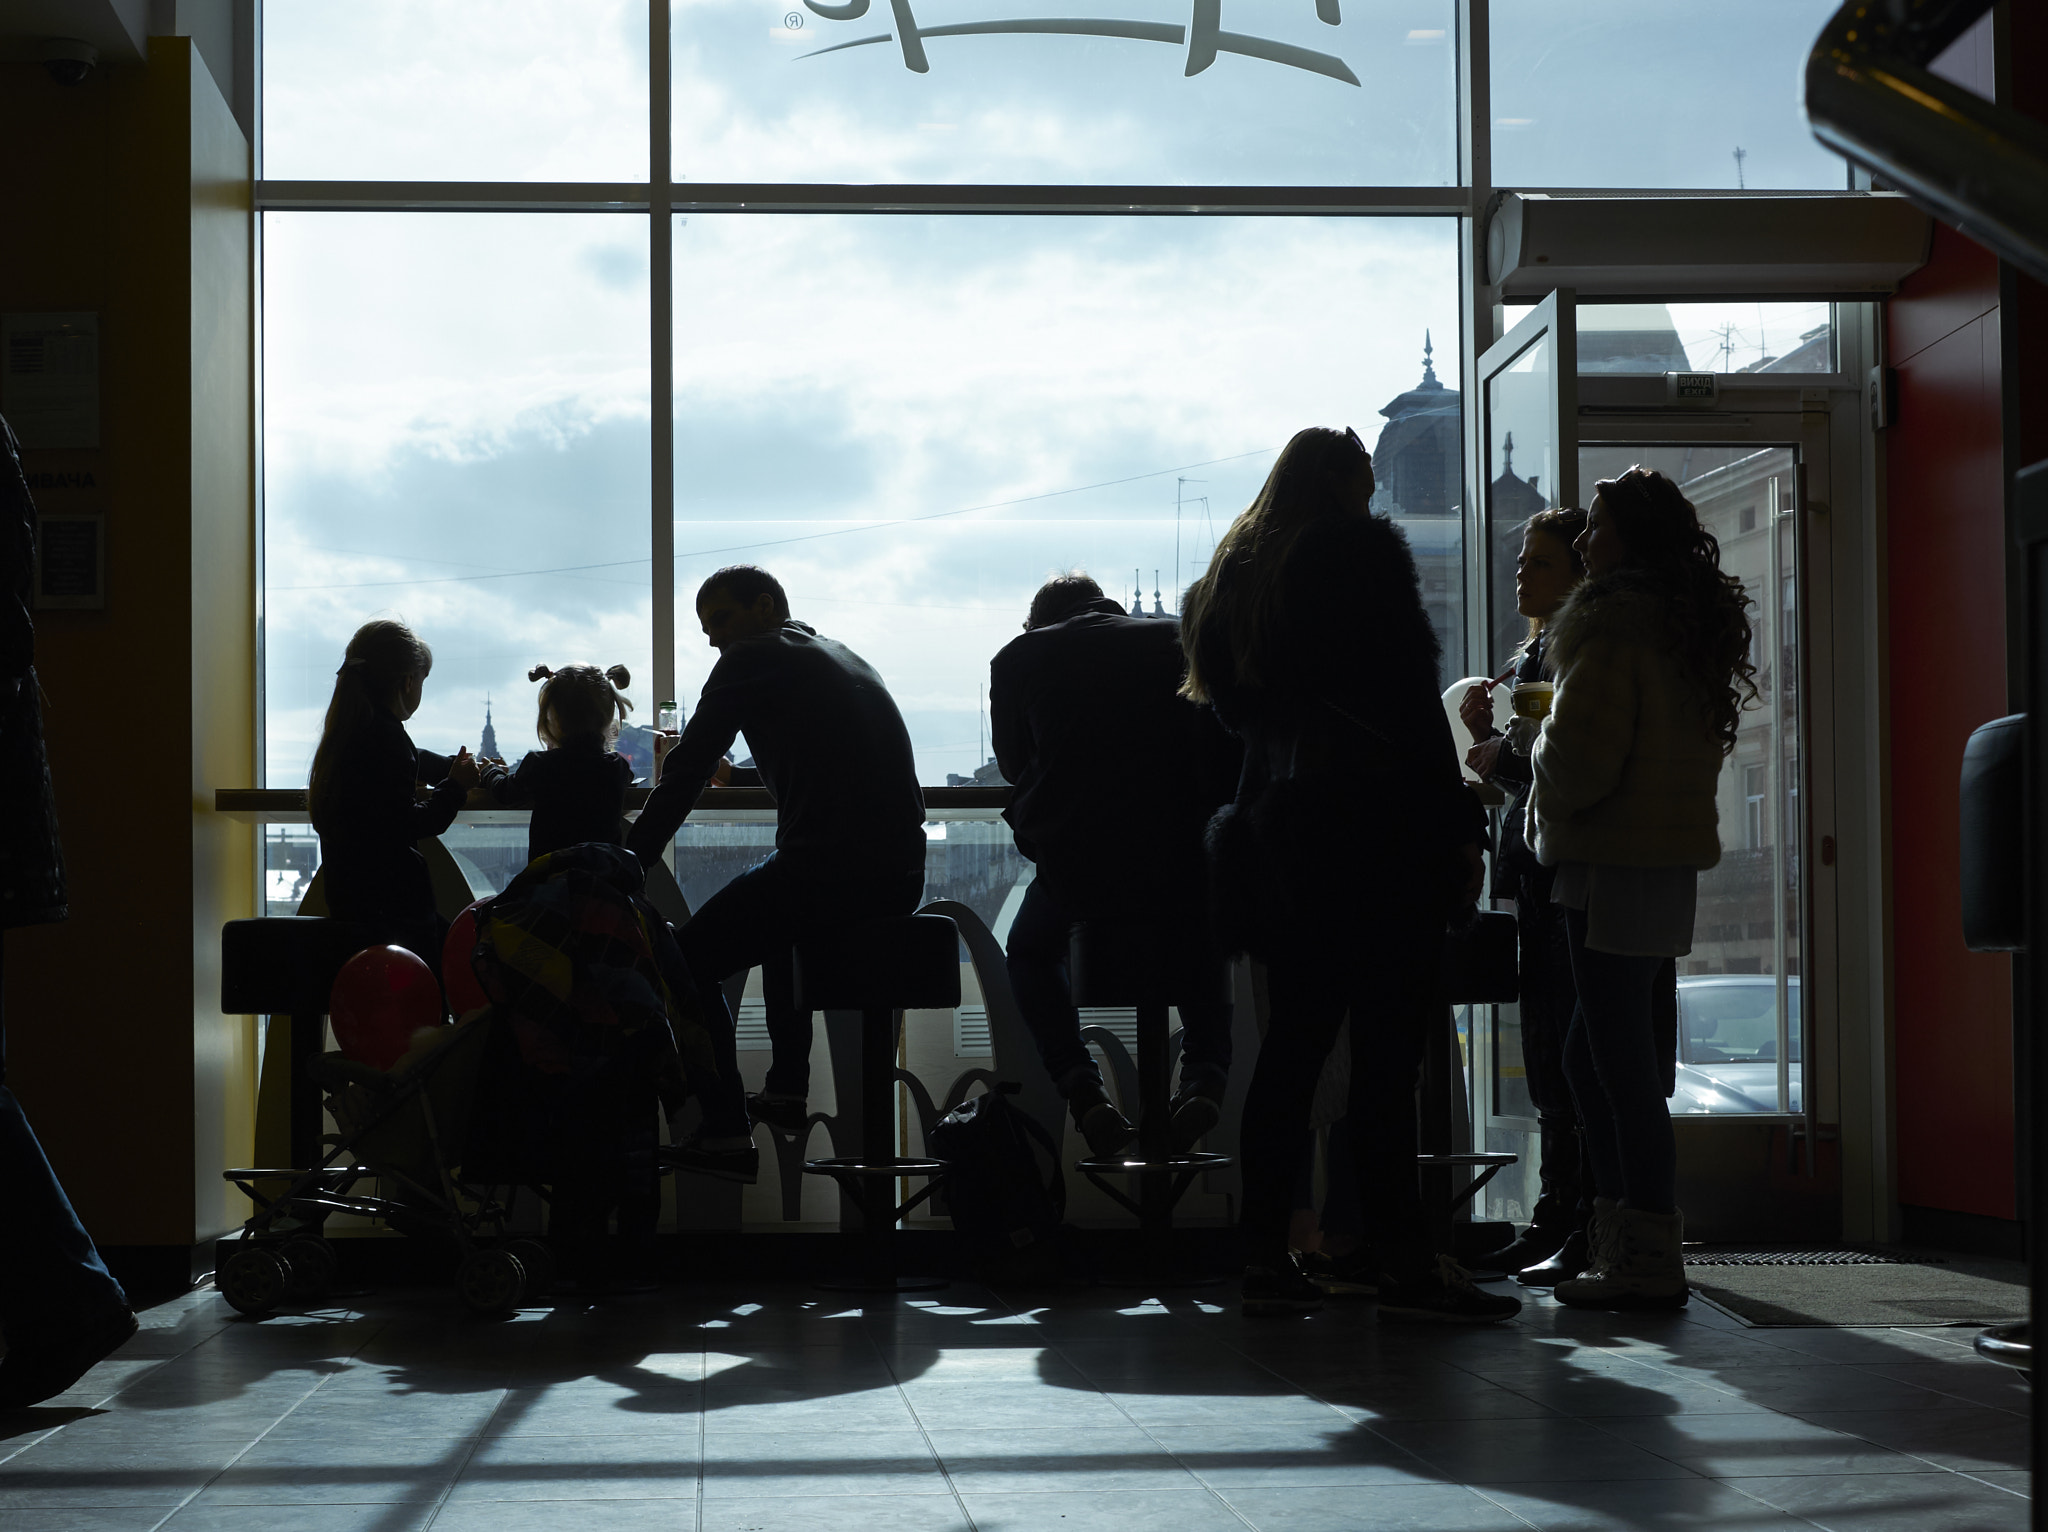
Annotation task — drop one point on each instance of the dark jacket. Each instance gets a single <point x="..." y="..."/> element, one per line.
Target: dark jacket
<point x="1352" y="805"/>
<point x="1114" y="771"/>
<point x="1516" y="872"/>
<point x="828" y="741"/>
<point x="31" y="856"/>
<point x="577" y="792"/>
<point x="370" y="861"/>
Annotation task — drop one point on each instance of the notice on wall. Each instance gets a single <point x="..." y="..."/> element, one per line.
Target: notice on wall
<point x="71" y="562"/>
<point x="50" y="378"/>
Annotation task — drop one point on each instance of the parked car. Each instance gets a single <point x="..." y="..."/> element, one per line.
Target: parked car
<point x="1728" y="1043"/>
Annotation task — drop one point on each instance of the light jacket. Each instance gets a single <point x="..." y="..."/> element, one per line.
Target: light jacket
<point x="1626" y="764"/>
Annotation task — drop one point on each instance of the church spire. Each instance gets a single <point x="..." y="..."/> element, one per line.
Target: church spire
<point x="488" y="745"/>
<point x="1428" y="365"/>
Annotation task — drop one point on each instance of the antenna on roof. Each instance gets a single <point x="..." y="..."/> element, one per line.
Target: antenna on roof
<point x="1741" y="154"/>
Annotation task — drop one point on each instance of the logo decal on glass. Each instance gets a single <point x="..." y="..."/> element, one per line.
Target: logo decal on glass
<point x="1203" y="37"/>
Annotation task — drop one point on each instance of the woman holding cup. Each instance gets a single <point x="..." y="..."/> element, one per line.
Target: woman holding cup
<point x="1553" y="1247"/>
<point x="1651" y="660"/>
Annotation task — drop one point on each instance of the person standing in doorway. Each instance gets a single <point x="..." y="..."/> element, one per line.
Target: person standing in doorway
<point x="1651" y="656"/>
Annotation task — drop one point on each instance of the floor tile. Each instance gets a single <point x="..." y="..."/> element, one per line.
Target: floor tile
<point x="1224" y="1457"/>
<point x="1928" y="1502"/>
<point x="994" y="1407"/>
<point x="57" y="1472"/>
<point x="1738" y="1446"/>
<point x="1632" y="1506"/>
<point x="996" y="1461"/>
<point x="1510" y="1451"/>
<point x="768" y="1409"/>
<point x="205" y="1516"/>
<point x="568" y="1515"/>
<point x="1382" y="1507"/>
<point x="1297" y="1411"/>
<point x="2013" y="1481"/>
<point x="753" y="1465"/>
<point x="48" y="1519"/>
<point x="596" y="1408"/>
<point x="340" y="1470"/>
<point x="1063" y="1510"/>
<point x="580" y="1467"/>
<point x="841" y="1513"/>
<point x="1966" y="1439"/>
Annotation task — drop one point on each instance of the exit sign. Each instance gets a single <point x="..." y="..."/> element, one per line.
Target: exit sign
<point x="1694" y="388"/>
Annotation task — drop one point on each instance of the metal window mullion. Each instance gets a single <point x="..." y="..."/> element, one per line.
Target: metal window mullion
<point x="661" y="353"/>
<point x="1774" y="783"/>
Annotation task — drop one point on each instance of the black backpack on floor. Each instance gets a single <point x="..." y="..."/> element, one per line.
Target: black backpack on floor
<point x="1006" y="1208"/>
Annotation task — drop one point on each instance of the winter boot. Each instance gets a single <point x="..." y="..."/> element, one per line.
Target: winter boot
<point x="1638" y="1263"/>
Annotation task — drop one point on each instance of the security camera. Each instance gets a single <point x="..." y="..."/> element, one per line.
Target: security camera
<point x="69" y="60"/>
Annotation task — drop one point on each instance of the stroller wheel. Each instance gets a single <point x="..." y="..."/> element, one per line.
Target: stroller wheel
<point x="491" y="1281"/>
<point x="539" y="1262"/>
<point x="310" y="1266"/>
<point x="254" y="1281"/>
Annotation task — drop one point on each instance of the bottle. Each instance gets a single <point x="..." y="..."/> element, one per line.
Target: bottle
<point x="665" y="718"/>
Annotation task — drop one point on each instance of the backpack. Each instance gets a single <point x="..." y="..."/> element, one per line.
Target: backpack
<point x="1005" y="1209"/>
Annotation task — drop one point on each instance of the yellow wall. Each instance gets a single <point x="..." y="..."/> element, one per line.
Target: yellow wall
<point x="132" y="197"/>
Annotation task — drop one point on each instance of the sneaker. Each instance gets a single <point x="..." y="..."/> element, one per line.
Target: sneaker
<point x="785" y="1114"/>
<point x="1193" y="1113"/>
<point x="1446" y="1296"/>
<point x="1533" y="1246"/>
<point x="1355" y="1274"/>
<point x="33" y="1371"/>
<point x="723" y="1159"/>
<point x="1269" y="1291"/>
<point x="1107" y="1130"/>
<point x="1641" y="1264"/>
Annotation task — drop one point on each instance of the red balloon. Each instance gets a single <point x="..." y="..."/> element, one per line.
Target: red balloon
<point x="381" y="997"/>
<point x="464" y="993"/>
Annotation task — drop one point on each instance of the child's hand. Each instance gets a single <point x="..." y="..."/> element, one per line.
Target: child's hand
<point x="721" y="774"/>
<point x="462" y="770"/>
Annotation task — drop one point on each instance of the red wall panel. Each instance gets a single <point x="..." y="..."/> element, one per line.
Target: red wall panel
<point x="1945" y="499"/>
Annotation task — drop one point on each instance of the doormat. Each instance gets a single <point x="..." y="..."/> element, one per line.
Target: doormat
<point x="1858" y="1288"/>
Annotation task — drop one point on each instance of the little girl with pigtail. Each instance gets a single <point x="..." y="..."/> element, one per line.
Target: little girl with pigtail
<point x="576" y="787"/>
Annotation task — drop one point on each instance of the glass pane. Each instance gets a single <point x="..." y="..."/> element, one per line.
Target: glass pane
<point x="1614" y="93"/>
<point x="971" y="404"/>
<point x="450" y="90"/>
<point x="455" y="434"/>
<point x="1704" y="337"/>
<point x="1521" y="463"/>
<point x="1102" y="92"/>
<point x="1744" y="967"/>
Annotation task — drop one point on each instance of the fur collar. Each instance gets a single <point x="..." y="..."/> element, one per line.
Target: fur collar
<point x="1626" y="605"/>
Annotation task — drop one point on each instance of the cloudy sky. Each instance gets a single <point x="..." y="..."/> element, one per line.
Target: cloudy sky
<point x="911" y="419"/>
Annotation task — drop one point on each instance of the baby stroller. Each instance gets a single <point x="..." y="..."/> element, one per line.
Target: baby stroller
<point x="409" y="1128"/>
<point x="536" y="1092"/>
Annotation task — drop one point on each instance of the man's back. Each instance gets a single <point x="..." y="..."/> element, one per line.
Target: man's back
<point x="828" y="740"/>
<point x="1112" y="768"/>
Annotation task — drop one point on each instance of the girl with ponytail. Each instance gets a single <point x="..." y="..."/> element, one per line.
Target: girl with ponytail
<point x="576" y="787"/>
<point x="361" y="792"/>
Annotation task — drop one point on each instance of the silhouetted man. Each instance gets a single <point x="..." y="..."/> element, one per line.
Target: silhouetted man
<point x="1116" y="775"/>
<point x="849" y="839"/>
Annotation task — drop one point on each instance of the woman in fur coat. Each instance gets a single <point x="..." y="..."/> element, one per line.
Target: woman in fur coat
<point x="1351" y="840"/>
<point x="1651" y="659"/>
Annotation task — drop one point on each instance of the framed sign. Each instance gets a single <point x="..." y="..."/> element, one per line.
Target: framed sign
<point x="71" y="561"/>
<point x="50" y="378"/>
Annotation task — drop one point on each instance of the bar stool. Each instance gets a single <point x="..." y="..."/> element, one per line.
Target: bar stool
<point x="880" y="968"/>
<point x="1149" y="967"/>
<point x="284" y="965"/>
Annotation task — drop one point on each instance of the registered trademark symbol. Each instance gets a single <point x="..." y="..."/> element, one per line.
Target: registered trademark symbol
<point x="794" y="21"/>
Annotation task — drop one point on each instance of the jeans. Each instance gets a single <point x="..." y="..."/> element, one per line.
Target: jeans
<point x="753" y="922"/>
<point x="1037" y="961"/>
<point x="1391" y="986"/>
<point x="1548" y="1000"/>
<point x="1612" y="1058"/>
<point x="51" y="1270"/>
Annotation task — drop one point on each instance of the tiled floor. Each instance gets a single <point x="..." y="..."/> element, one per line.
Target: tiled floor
<point x="783" y="1408"/>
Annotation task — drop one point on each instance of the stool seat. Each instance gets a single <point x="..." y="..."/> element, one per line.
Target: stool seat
<point x="1497" y="1161"/>
<point x="855" y="1165"/>
<point x="904" y="963"/>
<point x="1193" y="1161"/>
<point x="1144" y="963"/>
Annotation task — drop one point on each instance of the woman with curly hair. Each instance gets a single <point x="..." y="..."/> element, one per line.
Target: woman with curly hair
<point x="1352" y="840"/>
<point x="1651" y="660"/>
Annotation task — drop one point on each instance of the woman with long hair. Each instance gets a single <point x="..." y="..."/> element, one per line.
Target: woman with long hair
<point x="361" y="792"/>
<point x="1547" y="571"/>
<point x="1351" y="841"/>
<point x="1651" y="659"/>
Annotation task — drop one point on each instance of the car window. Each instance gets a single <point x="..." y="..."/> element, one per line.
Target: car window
<point x="1726" y="1021"/>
